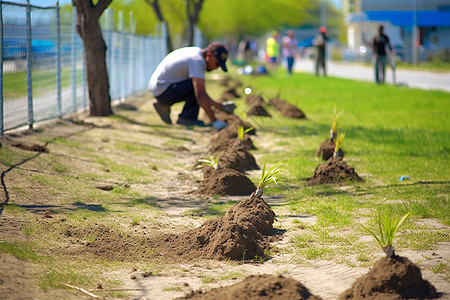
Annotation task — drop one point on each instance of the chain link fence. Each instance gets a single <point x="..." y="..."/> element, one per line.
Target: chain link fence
<point x="42" y="63"/>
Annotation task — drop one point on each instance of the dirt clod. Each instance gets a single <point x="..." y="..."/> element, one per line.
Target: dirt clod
<point x="258" y="287"/>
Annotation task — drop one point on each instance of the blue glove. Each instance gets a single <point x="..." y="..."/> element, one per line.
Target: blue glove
<point x="218" y="124"/>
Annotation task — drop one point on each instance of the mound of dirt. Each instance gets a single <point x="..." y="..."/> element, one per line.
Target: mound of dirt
<point x="238" y="158"/>
<point x="225" y="181"/>
<point x="326" y="150"/>
<point x="33" y="147"/>
<point x="258" y="287"/>
<point x="255" y="100"/>
<point x="391" y="278"/>
<point x="334" y="171"/>
<point x="287" y="109"/>
<point x="239" y="234"/>
<point x="229" y="136"/>
<point x="258" y="110"/>
<point x="230" y="93"/>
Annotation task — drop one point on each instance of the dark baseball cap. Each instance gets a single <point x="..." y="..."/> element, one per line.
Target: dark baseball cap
<point x="220" y="52"/>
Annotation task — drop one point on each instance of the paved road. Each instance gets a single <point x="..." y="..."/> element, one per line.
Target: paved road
<point x="416" y="79"/>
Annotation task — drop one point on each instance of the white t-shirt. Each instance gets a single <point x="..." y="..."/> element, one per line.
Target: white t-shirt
<point x="178" y="65"/>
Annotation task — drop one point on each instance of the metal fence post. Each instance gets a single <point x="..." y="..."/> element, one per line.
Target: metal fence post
<point x="2" y="125"/>
<point x="121" y="56"/>
<point x="29" y="80"/>
<point x="131" y="58"/>
<point x="74" y="60"/>
<point x="58" y="60"/>
<point x="84" y="82"/>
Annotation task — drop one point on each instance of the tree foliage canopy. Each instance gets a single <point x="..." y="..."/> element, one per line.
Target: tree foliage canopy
<point x="250" y="17"/>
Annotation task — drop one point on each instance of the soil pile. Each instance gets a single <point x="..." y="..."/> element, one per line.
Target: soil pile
<point x="229" y="137"/>
<point x="225" y="181"/>
<point x="229" y="94"/>
<point x="32" y="147"/>
<point x="258" y="287"/>
<point x="257" y="106"/>
<point x="238" y="158"/>
<point x="326" y="150"/>
<point x="258" y="110"/>
<point x="287" y="109"/>
<point x="335" y="170"/>
<point x="391" y="278"/>
<point x="240" y="234"/>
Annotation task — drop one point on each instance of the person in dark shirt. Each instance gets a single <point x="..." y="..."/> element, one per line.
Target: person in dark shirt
<point x="380" y="42"/>
<point x="320" y="42"/>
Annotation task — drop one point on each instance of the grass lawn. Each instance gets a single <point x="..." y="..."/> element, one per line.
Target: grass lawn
<point x="390" y="132"/>
<point x="118" y="174"/>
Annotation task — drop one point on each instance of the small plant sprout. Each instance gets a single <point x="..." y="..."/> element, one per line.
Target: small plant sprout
<point x="211" y="161"/>
<point x="387" y="228"/>
<point x="333" y="131"/>
<point x="241" y="131"/>
<point x="268" y="177"/>
<point x="338" y="143"/>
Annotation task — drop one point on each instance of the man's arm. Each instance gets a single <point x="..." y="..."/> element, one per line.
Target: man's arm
<point x="203" y="99"/>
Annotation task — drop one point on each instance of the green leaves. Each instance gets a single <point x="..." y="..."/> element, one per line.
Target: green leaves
<point x="338" y="142"/>
<point x="270" y="175"/>
<point x="211" y="161"/>
<point x="387" y="228"/>
<point x="241" y="131"/>
<point x="334" y="124"/>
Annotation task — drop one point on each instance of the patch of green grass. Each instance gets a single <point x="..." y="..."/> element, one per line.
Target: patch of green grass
<point x="422" y="239"/>
<point x="52" y="280"/>
<point x="317" y="252"/>
<point x="21" y="250"/>
<point x="15" y="209"/>
<point x="232" y="275"/>
<point x="208" y="279"/>
<point x="302" y="240"/>
<point x="441" y="268"/>
<point x="221" y="207"/>
<point x="59" y="168"/>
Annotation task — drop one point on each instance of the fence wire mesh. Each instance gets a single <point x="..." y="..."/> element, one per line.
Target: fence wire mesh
<point x="43" y="66"/>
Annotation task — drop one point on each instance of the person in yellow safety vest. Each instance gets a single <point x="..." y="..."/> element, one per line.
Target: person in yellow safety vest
<point x="273" y="50"/>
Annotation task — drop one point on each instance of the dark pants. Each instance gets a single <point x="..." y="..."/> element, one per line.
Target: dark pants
<point x="320" y="63"/>
<point x="181" y="91"/>
<point x="380" y="68"/>
<point x="290" y="64"/>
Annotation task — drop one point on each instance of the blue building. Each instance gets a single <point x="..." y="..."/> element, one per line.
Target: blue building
<point x="419" y="29"/>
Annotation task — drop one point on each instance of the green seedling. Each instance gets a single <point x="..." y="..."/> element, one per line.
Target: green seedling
<point x="211" y="161"/>
<point x="333" y="131"/>
<point x="387" y="228"/>
<point x="268" y="177"/>
<point x="338" y="143"/>
<point x="241" y="131"/>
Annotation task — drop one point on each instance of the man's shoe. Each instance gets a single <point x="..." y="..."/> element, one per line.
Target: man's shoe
<point x="163" y="111"/>
<point x="187" y="122"/>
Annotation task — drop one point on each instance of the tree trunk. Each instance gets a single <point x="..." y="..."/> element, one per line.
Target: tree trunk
<point x="88" y="28"/>
<point x="155" y="5"/>
<point x="193" y="8"/>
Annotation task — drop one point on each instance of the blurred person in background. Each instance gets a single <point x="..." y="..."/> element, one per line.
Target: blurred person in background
<point x="273" y="50"/>
<point x="380" y="42"/>
<point x="290" y="47"/>
<point x="320" y="42"/>
<point x="248" y="50"/>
